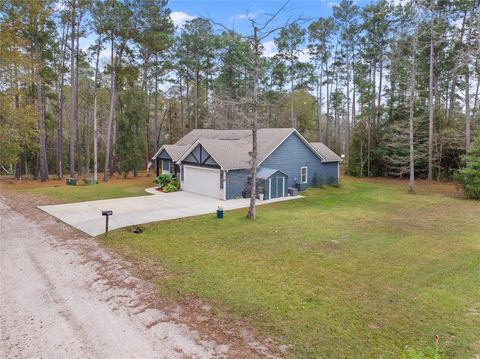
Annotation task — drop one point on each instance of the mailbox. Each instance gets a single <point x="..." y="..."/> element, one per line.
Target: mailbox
<point x="106" y="214"/>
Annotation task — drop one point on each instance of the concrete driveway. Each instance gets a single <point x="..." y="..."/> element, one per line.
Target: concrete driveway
<point x="87" y="216"/>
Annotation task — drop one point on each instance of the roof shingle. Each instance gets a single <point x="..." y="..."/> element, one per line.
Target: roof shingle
<point x="231" y="148"/>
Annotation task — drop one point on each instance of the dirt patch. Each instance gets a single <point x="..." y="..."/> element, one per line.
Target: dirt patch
<point x="7" y="182"/>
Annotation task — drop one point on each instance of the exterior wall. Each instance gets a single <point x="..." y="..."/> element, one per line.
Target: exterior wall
<point x="293" y="154"/>
<point x="236" y="182"/>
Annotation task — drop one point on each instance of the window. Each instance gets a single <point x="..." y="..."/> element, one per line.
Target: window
<point x="303" y="174"/>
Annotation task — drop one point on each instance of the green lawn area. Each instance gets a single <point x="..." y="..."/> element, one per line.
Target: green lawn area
<point x="58" y="191"/>
<point x="360" y="271"/>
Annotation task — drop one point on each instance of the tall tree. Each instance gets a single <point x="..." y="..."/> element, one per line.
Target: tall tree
<point x="288" y="43"/>
<point x="345" y="15"/>
<point x="411" y="182"/>
<point x="320" y="33"/>
<point x="119" y="22"/>
<point x="73" y="86"/>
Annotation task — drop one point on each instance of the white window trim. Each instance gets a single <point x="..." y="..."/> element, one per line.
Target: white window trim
<point x="306" y="174"/>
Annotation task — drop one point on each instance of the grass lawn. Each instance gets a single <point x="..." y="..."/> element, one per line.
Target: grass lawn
<point x="360" y="271"/>
<point x="57" y="190"/>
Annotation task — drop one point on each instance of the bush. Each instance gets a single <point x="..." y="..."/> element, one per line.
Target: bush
<point x="468" y="178"/>
<point x="163" y="180"/>
<point x="173" y="186"/>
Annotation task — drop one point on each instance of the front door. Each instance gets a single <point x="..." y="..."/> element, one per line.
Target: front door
<point x="277" y="187"/>
<point x="280" y="186"/>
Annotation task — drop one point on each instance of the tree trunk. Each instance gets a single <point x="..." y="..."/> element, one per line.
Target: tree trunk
<point x="110" y="113"/>
<point x="253" y="189"/>
<point x="181" y="104"/>
<point x="347" y="123"/>
<point x="79" y="133"/>
<point x="155" y="118"/>
<point x="42" y="147"/>
<point x="196" y="93"/>
<point x="327" y="127"/>
<point x="380" y="65"/>
<point x="95" y="131"/>
<point x="467" y="110"/>
<point x="411" y="182"/>
<point x="467" y="84"/>
<point x="320" y="137"/>
<point x="87" y="142"/>
<point x="60" y="102"/>
<point x="292" y="99"/>
<point x="430" y="105"/>
<point x="73" y="86"/>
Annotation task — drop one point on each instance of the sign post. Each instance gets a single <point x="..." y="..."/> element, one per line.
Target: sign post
<point x="106" y="214"/>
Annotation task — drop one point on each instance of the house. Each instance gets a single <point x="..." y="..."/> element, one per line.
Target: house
<point x="216" y="163"/>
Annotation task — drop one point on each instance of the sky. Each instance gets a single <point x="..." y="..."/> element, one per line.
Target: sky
<point x="234" y="14"/>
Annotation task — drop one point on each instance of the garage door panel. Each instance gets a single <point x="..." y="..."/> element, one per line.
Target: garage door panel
<point x="201" y="180"/>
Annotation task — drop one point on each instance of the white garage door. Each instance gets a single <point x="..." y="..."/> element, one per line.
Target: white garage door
<point x="201" y="180"/>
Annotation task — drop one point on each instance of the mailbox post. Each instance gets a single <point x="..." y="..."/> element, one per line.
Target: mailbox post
<point x="106" y="214"/>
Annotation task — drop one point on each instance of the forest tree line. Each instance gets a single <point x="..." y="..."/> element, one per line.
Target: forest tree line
<point x="382" y="84"/>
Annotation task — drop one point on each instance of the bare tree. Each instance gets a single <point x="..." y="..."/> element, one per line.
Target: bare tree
<point x="260" y="31"/>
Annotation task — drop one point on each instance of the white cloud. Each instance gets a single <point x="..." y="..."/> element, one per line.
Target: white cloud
<point x="246" y="16"/>
<point x="179" y="18"/>
<point x="332" y="4"/>
<point x="269" y="48"/>
<point x="304" y="55"/>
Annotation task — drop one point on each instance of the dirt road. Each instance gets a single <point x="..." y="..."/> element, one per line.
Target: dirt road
<point x="63" y="296"/>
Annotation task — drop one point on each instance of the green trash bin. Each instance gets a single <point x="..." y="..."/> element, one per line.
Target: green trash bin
<point x="220" y="213"/>
<point x="71" y="182"/>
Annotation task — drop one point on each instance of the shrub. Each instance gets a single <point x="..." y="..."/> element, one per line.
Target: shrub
<point x="468" y="178"/>
<point x="172" y="186"/>
<point x="163" y="180"/>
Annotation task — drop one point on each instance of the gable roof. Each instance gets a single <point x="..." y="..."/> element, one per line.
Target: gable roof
<point x="326" y="152"/>
<point x="174" y="151"/>
<point x="266" y="173"/>
<point x="231" y="148"/>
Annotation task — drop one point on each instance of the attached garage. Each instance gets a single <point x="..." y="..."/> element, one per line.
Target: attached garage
<point x="202" y="180"/>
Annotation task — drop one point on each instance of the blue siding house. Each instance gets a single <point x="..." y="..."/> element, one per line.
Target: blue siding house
<point x="217" y="163"/>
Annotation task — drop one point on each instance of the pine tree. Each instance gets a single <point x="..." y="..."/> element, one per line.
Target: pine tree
<point x="469" y="177"/>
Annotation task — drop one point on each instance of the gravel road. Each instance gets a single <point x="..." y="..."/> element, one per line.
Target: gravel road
<point x="68" y="298"/>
